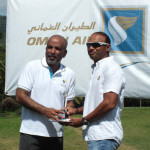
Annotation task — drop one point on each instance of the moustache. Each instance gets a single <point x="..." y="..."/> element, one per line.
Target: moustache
<point x="52" y="55"/>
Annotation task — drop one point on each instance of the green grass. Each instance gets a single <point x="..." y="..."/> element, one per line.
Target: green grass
<point x="73" y="139"/>
<point x="136" y="125"/>
<point x="9" y="131"/>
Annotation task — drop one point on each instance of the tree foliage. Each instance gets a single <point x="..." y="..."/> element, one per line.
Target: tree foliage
<point x="2" y="71"/>
<point x="2" y="55"/>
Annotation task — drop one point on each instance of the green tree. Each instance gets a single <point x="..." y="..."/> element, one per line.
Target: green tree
<point x="2" y="55"/>
<point x="1" y="35"/>
<point x="2" y="71"/>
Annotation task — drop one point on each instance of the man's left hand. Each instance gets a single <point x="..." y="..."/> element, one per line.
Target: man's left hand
<point x="76" y="122"/>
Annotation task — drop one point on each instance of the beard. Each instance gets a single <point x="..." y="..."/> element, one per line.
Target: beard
<point x="51" y="61"/>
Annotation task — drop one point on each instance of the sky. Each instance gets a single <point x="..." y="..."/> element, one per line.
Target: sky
<point x="3" y="7"/>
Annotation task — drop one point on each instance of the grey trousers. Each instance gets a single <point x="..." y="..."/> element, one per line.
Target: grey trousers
<point x="31" y="142"/>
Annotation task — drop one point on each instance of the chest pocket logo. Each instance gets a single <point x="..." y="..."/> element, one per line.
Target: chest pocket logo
<point x="64" y="81"/>
<point x="63" y="84"/>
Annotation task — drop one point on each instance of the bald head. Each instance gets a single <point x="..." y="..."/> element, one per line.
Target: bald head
<point x="62" y="40"/>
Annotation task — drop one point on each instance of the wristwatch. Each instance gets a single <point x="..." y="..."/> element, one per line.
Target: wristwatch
<point x="84" y="122"/>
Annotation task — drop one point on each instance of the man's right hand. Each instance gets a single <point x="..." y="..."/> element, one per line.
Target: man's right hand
<point x="53" y="114"/>
<point x="71" y="111"/>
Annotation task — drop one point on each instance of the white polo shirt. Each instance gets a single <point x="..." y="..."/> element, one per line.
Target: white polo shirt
<point x="107" y="76"/>
<point x="47" y="91"/>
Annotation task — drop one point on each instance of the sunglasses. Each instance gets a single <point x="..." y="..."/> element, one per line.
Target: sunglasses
<point x="96" y="44"/>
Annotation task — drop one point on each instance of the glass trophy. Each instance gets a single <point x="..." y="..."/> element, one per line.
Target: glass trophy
<point x="65" y="119"/>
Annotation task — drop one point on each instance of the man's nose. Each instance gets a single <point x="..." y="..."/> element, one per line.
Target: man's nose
<point x="52" y="50"/>
<point x="91" y="48"/>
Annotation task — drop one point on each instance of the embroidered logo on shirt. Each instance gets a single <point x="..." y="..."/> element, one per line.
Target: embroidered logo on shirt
<point x="99" y="77"/>
<point x="63" y="84"/>
<point x="64" y="81"/>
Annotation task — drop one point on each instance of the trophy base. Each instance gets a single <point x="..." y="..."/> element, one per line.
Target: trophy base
<point x="65" y="120"/>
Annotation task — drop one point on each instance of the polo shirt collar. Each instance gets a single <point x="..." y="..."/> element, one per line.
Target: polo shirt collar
<point x="62" y="68"/>
<point x="98" y="63"/>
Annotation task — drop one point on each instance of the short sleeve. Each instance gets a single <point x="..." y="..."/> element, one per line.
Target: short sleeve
<point x="114" y="79"/>
<point x="26" y="78"/>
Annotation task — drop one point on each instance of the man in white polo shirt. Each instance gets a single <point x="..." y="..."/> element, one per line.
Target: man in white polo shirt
<point x="104" y="98"/>
<point x="43" y="88"/>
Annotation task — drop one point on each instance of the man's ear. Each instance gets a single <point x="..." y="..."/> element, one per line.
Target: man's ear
<point x="108" y="48"/>
<point x="65" y="53"/>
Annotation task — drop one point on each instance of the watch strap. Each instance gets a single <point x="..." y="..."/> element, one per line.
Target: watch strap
<point x="84" y="121"/>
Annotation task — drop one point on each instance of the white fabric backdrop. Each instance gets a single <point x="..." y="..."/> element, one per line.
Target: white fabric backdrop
<point x="30" y="23"/>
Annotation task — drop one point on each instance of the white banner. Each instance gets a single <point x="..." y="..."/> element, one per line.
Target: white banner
<point x="30" y="23"/>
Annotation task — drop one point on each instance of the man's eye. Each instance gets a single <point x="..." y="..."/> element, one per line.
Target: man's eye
<point x="58" y="48"/>
<point x="49" y="47"/>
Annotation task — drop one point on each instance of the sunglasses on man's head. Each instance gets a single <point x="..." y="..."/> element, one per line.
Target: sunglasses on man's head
<point x="95" y="44"/>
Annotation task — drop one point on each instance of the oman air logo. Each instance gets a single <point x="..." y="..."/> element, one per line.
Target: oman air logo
<point x="127" y="29"/>
<point x="118" y="25"/>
